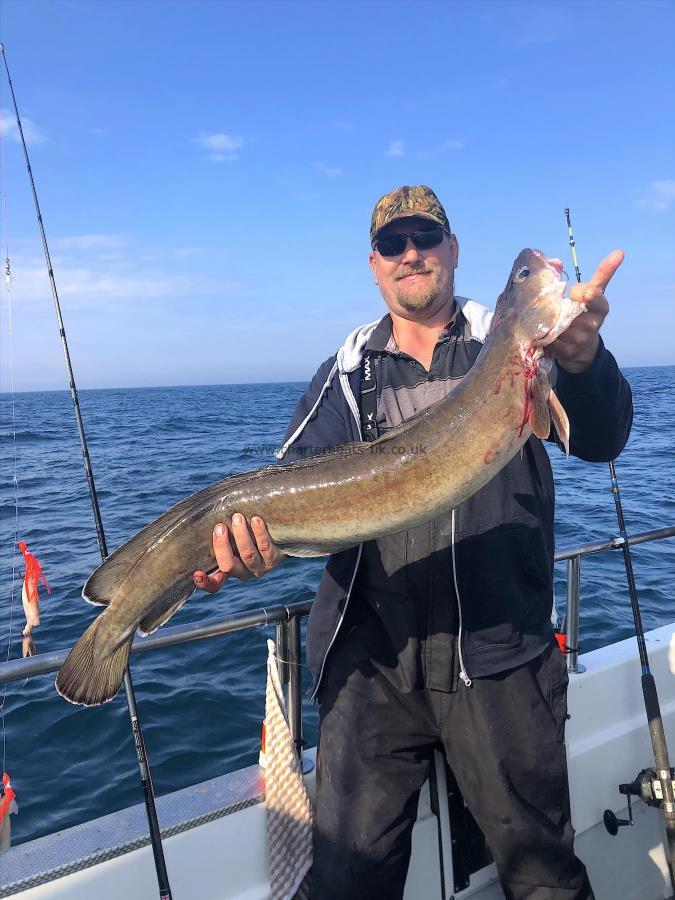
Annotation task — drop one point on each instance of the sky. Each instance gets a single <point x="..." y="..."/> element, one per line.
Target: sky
<point x="207" y="171"/>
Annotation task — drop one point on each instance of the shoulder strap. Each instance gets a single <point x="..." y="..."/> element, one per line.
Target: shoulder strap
<point x="368" y="397"/>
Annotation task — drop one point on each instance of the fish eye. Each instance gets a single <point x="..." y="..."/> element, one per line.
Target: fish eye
<point x="522" y="273"/>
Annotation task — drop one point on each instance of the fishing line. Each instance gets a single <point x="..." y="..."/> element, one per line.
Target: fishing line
<point x="662" y="775"/>
<point x="137" y="733"/>
<point x="15" y="482"/>
<point x="289" y="662"/>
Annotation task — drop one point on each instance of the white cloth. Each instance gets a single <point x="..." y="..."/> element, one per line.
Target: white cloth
<point x="289" y="809"/>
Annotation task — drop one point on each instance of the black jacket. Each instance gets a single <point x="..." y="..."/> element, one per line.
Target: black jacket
<point x="504" y="541"/>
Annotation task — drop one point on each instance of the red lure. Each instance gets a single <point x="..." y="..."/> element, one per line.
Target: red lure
<point x="34" y="575"/>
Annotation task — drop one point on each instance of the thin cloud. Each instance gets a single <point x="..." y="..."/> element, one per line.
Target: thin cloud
<point x="308" y="198"/>
<point x="445" y="147"/>
<point x="8" y="128"/>
<point x="532" y="25"/>
<point x="84" y="287"/>
<point x="182" y="252"/>
<point x="395" y="148"/>
<point x="223" y="147"/>
<point x="665" y="190"/>
<point x="329" y="171"/>
<point x="659" y="196"/>
<point x="91" y="242"/>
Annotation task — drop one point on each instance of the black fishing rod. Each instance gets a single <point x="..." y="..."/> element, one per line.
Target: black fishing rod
<point x="654" y="786"/>
<point x="139" y="743"/>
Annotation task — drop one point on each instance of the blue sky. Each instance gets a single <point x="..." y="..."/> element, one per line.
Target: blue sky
<point x="207" y="171"/>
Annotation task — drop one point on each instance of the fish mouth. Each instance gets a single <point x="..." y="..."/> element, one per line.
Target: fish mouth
<point x="556" y="264"/>
<point x="568" y="309"/>
<point x="552" y="262"/>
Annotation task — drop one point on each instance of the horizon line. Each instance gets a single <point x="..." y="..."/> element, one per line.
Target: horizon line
<point x="144" y="387"/>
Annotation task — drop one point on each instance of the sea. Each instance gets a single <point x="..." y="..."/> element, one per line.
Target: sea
<point x="201" y="704"/>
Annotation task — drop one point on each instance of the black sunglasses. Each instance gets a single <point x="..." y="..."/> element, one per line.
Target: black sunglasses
<point x="395" y="244"/>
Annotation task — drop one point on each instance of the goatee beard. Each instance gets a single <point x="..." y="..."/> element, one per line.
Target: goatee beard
<point x="424" y="297"/>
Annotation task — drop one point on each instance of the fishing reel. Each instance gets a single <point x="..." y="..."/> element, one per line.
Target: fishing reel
<point x="647" y="787"/>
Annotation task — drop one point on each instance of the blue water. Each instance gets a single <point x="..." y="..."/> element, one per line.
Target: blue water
<point x="201" y="705"/>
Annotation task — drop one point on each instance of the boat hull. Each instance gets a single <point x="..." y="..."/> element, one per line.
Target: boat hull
<point x="219" y="852"/>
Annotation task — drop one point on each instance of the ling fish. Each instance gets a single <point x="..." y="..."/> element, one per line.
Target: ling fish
<point x="426" y="466"/>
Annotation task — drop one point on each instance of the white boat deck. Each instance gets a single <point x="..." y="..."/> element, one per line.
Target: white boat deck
<point x="215" y="831"/>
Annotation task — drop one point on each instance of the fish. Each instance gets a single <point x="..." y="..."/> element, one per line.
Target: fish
<point x="316" y="506"/>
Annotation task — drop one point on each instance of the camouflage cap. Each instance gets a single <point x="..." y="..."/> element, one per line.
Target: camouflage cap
<point x="404" y="202"/>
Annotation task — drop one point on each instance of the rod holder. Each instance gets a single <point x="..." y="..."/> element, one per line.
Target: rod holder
<point x="573" y="593"/>
<point x="295" y="683"/>
<point x="281" y="640"/>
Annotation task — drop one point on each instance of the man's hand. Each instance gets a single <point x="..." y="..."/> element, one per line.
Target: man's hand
<point x="576" y="348"/>
<point x="256" y="554"/>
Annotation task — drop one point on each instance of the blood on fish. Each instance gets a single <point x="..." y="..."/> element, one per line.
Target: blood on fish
<point x="530" y="369"/>
<point x="492" y="452"/>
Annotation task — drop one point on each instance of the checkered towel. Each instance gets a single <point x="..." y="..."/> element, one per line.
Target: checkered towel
<point x="289" y="810"/>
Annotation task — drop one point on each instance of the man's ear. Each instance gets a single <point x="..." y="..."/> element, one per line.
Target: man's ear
<point x="454" y="249"/>
<point x="373" y="266"/>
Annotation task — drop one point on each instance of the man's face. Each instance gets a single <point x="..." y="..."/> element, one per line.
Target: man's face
<point x="418" y="283"/>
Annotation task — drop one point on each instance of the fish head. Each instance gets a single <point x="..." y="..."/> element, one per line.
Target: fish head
<point x="534" y="299"/>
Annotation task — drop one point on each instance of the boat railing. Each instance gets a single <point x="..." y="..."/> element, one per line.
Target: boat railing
<point x="574" y="557"/>
<point x="286" y="619"/>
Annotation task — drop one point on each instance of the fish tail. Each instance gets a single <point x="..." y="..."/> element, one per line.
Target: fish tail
<point x="86" y="678"/>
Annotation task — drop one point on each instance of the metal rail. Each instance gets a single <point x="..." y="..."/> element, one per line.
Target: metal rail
<point x="286" y="619"/>
<point x="287" y="622"/>
<point x="573" y="557"/>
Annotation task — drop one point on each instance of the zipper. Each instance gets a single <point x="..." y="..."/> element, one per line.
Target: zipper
<point x="351" y="400"/>
<point x="335" y="633"/>
<point x="462" y="669"/>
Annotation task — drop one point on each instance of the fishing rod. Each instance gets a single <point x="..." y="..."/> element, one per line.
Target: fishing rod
<point x="139" y="742"/>
<point x="654" y="786"/>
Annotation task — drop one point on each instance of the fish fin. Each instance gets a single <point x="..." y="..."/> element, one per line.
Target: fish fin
<point x="560" y="421"/>
<point x="84" y="678"/>
<point x="100" y="586"/>
<point x="539" y="418"/>
<point x="154" y="620"/>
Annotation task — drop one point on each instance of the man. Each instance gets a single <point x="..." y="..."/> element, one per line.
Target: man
<point x="441" y="636"/>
